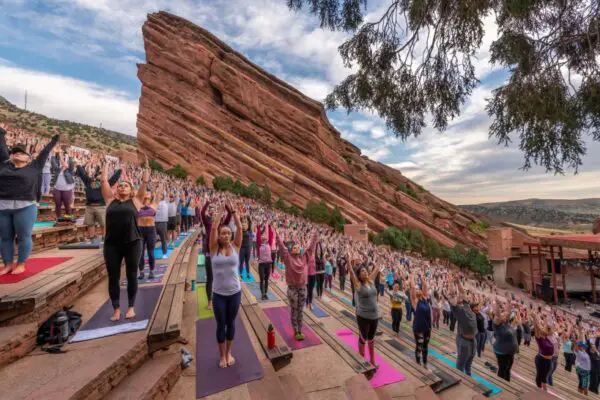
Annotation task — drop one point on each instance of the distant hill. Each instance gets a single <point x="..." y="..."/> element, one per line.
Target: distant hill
<point x="550" y="213"/>
<point x="81" y="135"/>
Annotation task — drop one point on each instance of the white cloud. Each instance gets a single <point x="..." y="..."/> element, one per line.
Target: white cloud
<point x="67" y="98"/>
<point x="376" y="153"/>
<point x="377" y="132"/>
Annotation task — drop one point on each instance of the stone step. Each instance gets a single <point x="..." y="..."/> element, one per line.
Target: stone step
<point x="88" y="370"/>
<point x="269" y="387"/>
<point x="153" y="380"/>
<point x="292" y="387"/>
<point x="16" y="342"/>
<point x="358" y="388"/>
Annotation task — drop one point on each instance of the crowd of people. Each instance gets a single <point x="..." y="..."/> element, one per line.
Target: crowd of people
<point x="135" y="207"/>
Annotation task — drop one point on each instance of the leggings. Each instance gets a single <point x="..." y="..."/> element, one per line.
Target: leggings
<point x="435" y="318"/>
<point x="569" y="361"/>
<point x="320" y="278"/>
<point x="342" y="282"/>
<point x="161" y="229"/>
<point x="45" y="184"/>
<point x="226" y="310"/>
<point x="328" y="281"/>
<point x="542" y="368"/>
<point x="310" y="288"/>
<point x="264" y="270"/>
<point x="550" y="381"/>
<point x="113" y="256"/>
<point x="62" y="197"/>
<point x="421" y="346"/>
<point x="16" y="224"/>
<point x="245" y="259"/>
<point x="297" y="298"/>
<point x="446" y="315"/>
<point x="209" y="277"/>
<point x="396" y="319"/>
<point x="367" y="328"/>
<point x="505" y="363"/>
<point x="148" y="243"/>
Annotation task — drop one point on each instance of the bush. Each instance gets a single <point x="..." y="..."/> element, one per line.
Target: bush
<point x="294" y="210"/>
<point x="253" y="191"/>
<point x="479" y="227"/>
<point x="200" y="181"/>
<point x="322" y="214"/>
<point x="404" y="188"/>
<point x="178" y="172"/>
<point x="266" y="196"/>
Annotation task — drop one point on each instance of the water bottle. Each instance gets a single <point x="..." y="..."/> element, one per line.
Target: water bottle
<point x="62" y="323"/>
<point x="271" y="337"/>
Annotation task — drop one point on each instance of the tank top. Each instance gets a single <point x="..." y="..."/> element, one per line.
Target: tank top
<point x="146" y="211"/>
<point x="121" y="223"/>
<point x="366" y="302"/>
<point x="545" y="346"/>
<point x="422" y="320"/>
<point x="226" y="275"/>
<point x="245" y="239"/>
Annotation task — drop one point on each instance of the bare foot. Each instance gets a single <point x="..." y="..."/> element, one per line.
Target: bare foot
<point x="130" y="313"/>
<point x="209" y="306"/>
<point x="19" y="270"/>
<point x="223" y="363"/>
<point x="230" y="360"/>
<point x="5" y="270"/>
<point x="116" y="315"/>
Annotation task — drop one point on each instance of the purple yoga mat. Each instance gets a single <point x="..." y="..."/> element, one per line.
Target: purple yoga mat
<point x="281" y="319"/>
<point x="211" y="379"/>
<point x="385" y="375"/>
<point x="159" y="273"/>
<point x="145" y="302"/>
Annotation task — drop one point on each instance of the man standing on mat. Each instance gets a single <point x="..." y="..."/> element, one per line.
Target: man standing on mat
<point x="296" y="270"/>
<point x="467" y="326"/>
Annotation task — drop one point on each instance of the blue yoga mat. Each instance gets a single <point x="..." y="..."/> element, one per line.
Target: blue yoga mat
<point x="254" y="288"/>
<point x="43" y="224"/>
<point x="248" y="278"/>
<point x="201" y="274"/>
<point x="158" y="254"/>
<point x="318" y="312"/>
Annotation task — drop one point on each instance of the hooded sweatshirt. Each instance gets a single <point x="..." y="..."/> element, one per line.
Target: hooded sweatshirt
<point x="296" y="267"/>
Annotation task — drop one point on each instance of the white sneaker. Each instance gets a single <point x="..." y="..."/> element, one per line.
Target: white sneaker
<point x="165" y="256"/>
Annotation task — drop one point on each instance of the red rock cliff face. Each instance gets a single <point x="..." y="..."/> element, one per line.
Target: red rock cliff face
<point x="206" y="107"/>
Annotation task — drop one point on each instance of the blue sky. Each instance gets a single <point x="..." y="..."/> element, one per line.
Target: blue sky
<point x="77" y="60"/>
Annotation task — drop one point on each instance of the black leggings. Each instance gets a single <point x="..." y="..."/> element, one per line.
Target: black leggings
<point x="505" y="363"/>
<point x="264" y="270"/>
<point x="542" y="368"/>
<point x="161" y="229"/>
<point x="569" y="361"/>
<point x="113" y="256"/>
<point x="367" y="328"/>
<point x="421" y="346"/>
<point x="396" y="319"/>
<point x="320" y="278"/>
<point x="148" y="243"/>
<point x="209" y="277"/>
<point x="310" y="287"/>
<point x="342" y="282"/>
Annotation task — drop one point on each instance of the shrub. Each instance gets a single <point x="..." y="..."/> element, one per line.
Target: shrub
<point x="200" y="181"/>
<point x="404" y="188"/>
<point x="178" y="172"/>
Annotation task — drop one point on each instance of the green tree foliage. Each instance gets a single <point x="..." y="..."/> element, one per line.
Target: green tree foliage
<point x="294" y="210"/>
<point x="200" y="181"/>
<point x="253" y="191"/>
<point x="266" y="196"/>
<point x="224" y="183"/>
<point x="404" y="188"/>
<point x="178" y="172"/>
<point x="322" y="214"/>
<point x="280" y="205"/>
<point x="418" y="59"/>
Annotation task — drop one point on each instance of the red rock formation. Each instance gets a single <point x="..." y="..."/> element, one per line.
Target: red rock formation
<point x="208" y="108"/>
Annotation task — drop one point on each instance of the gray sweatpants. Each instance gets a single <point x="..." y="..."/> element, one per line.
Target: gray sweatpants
<point x="465" y="352"/>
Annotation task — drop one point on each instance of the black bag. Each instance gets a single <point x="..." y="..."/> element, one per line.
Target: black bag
<point x="319" y="259"/>
<point x="48" y="332"/>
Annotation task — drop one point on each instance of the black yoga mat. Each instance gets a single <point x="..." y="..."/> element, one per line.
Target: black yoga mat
<point x="79" y="246"/>
<point x="145" y="302"/>
<point x="211" y="379"/>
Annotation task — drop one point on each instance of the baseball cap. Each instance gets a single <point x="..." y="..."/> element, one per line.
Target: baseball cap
<point x="19" y="148"/>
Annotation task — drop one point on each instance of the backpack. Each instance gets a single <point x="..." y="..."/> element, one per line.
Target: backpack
<point x="48" y="333"/>
<point x="319" y="259"/>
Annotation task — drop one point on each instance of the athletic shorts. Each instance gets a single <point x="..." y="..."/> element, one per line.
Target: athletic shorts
<point x="367" y="328"/>
<point x="95" y="215"/>
<point x="171" y="224"/>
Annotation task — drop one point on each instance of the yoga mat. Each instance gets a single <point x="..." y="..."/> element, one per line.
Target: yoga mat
<point x="248" y="278"/>
<point x="201" y="259"/>
<point x="91" y="334"/>
<point x="211" y="379"/>
<point x="281" y="319"/>
<point x="276" y="275"/>
<point x="79" y="246"/>
<point x="32" y="267"/>
<point x="159" y="273"/>
<point x="43" y="224"/>
<point x="201" y="274"/>
<point x="318" y="312"/>
<point x="203" y="312"/>
<point x="158" y="254"/>
<point x="254" y="288"/>
<point x="145" y="302"/>
<point x="385" y="375"/>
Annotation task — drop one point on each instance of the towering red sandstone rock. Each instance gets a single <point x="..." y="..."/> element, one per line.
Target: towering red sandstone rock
<point x="208" y="108"/>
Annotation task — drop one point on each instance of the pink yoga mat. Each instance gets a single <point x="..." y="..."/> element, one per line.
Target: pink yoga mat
<point x="276" y="275"/>
<point x="385" y="375"/>
<point x="280" y="317"/>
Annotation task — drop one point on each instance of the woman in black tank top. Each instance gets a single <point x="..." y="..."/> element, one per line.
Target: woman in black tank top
<point x="123" y="238"/>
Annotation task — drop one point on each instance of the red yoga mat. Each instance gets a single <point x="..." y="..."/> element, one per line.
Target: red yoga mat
<point x="32" y="267"/>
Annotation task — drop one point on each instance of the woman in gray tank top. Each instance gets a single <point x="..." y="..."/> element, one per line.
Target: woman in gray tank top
<point x="227" y="288"/>
<point x="367" y="312"/>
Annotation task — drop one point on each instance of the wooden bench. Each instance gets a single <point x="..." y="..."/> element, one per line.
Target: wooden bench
<point x="47" y="292"/>
<point x="165" y="326"/>
<point x="46" y="238"/>
<point x="47" y="213"/>
<point x="281" y="354"/>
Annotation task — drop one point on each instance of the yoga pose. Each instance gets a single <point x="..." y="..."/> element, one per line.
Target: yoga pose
<point x="19" y="190"/>
<point x="227" y="289"/>
<point x="397" y="299"/>
<point x="506" y="345"/>
<point x="147" y="224"/>
<point x="367" y="311"/>
<point x="467" y="326"/>
<point x="265" y="261"/>
<point x="123" y="238"/>
<point x="543" y="360"/>
<point x="422" y="321"/>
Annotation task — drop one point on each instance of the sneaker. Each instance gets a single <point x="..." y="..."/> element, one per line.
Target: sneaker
<point x="300" y="336"/>
<point x="165" y="256"/>
<point x="151" y="275"/>
<point x="141" y="275"/>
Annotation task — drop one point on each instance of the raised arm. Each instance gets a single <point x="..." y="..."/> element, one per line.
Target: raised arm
<point x="237" y="241"/>
<point x="376" y="270"/>
<point x="83" y="175"/>
<point x="138" y="200"/>
<point x="115" y="177"/>
<point x="40" y="160"/>
<point x="213" y="245"/>
<point x="203" y="216"/>
<point x="3" y="147"/>
<point x="352" y="262"/>
<point x="424" y="287"/>
<point x="413" y="292"/>
<point x="106" y="190"/>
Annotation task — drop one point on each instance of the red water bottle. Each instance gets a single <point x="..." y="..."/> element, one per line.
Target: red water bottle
<point x="270" y="337"/>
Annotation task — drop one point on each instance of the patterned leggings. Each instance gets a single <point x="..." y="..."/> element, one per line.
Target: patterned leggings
<point x="297" y="297"/>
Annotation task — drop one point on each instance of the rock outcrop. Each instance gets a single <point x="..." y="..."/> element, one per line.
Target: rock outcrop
<point x="208" y="108"/>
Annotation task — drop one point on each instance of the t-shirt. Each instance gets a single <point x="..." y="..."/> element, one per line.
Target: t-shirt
<point x="397" y="298"/>
<point x="506" y="339"/>
<point x="582" y="360"/>
<point x="480" y="323"/>
<point x="465" y="318"/>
